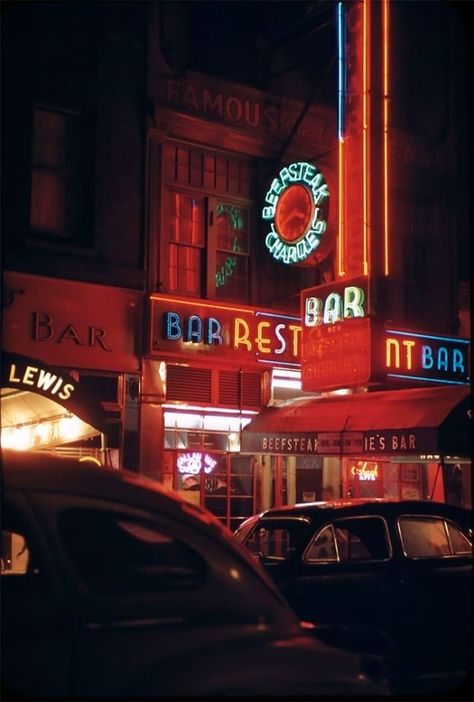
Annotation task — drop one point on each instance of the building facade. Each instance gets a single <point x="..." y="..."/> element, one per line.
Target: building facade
<point x="141" y="247"/>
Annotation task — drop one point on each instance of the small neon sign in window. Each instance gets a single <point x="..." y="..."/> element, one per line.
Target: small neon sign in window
<point x="195" y="462"/>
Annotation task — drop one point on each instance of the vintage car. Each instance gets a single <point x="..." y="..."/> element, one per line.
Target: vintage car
<point x="112" y="586"/>
<point x="402" y="570"/>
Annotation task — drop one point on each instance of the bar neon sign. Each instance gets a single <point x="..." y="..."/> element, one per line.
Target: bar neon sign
<point x="297" y="209"/>
<point x="437" y="359"/>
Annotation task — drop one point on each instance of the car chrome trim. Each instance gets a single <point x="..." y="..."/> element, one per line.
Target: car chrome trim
<point x="134" y="623"/>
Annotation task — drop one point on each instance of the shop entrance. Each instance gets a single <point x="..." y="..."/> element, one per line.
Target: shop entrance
<point x="287" y="480"/>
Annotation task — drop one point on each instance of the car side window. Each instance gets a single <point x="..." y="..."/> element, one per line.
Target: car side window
<point x="323" y="547"/>
<point x="358" y="539"/>
<point x="21" y="572"/>
<point x="459" y="543"/>
<point x="270" y="542"/>
<point x="276" y="539"/>
<point x="116" y="554"/>
<point x="431" y="537"/>
<point x="15" y="553"/>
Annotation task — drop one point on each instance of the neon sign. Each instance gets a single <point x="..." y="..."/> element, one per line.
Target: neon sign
<point x="336" y="307"/>
<point x="195" y="462"/>
<point x="297" y="211"/>
<point x="365" y="470"/>
<point x="182" y="326"/>
<point x="437" y="359"/>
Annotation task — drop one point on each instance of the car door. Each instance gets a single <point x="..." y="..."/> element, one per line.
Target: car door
<point x="344" y="576"/>
<point x="146" y="591"/>
<point x="435" y="592"/>
<point x="36" y="619"/>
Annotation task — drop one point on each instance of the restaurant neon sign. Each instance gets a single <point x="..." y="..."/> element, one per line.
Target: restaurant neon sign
<point x="297" y="203"/>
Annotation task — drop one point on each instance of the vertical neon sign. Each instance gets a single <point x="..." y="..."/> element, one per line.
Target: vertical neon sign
<point x="341" y="126"/>
<point x="363" y="79"/>
<point x="385" y="24"/>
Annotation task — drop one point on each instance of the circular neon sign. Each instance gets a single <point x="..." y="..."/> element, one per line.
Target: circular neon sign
<point x="297" y="209"/>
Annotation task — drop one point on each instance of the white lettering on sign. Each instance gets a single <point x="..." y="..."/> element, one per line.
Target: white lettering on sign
<point x="335" y="308"/>
<point x="42" y="380"/>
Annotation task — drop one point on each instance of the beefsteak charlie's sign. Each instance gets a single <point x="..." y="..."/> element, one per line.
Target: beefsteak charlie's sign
<point x="297" y="210"/>
<point x="345" y="443"/>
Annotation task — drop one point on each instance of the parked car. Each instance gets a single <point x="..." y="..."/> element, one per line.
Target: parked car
<point x="113" y="586"/>
<point x="399" y="569"/>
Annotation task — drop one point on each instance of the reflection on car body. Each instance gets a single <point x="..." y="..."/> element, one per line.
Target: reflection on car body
<point x="109" y="583"/>
<point x="402" y="569"/>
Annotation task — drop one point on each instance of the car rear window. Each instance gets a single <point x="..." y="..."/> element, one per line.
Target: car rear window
<point x="116" y="554"/>
<point x="431" y="537"/>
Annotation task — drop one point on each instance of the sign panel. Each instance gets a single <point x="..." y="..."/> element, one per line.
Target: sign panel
<point x="413" y="441"/>
<point x="336" y="338"/>
<point x="199" y="329"/>
<point x="24" y="373"/>
<point x="70" y="323"/>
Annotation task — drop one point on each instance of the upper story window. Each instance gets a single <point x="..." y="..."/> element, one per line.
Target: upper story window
<point x="207" y="238"/>
<point x="57" y="187"/>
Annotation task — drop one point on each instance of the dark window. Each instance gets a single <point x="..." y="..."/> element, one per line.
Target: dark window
<point x="57" y="182"/>
<point x="115" y="554"/>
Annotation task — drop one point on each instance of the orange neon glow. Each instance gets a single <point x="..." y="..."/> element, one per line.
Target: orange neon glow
<point x="365" y="131"/>
<point x="342" y="219"/>
<point x="200" y="303"/>
<point x="385" y="23"/>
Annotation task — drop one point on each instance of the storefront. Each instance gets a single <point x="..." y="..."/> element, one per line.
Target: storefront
<point x="211" y="369"/>
<point x="70" y="368"/>
<point x="403" y="444"/>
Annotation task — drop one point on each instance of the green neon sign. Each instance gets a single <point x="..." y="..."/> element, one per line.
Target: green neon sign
<point x="297" y="204"/>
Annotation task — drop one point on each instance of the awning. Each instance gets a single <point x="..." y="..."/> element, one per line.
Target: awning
<point x="30" y="420"/>
<point x="48" y="383"/>
<point x="416" y="421"/>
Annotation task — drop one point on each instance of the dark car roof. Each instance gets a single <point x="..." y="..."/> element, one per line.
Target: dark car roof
<point x="322" y="511"/>
<point x="39" y="471"/>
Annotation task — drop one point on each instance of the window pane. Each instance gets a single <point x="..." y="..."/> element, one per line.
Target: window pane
<point x="185" y="269"/>
<point x="323" y="547"/>
<point x="117" y="555"/>
<point x="231" y="277"/>
<point x="15" y="554"/>
<point x="48" y="202"/>
<point x="49" y="139"/>
<point x="458" y="541"/>
<point x="275" y="540"/>
<point x="364" y="538"/>
<point x="232" y="230"/>
<point x="187" y="219"/>
<point x="424" y="537"/>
